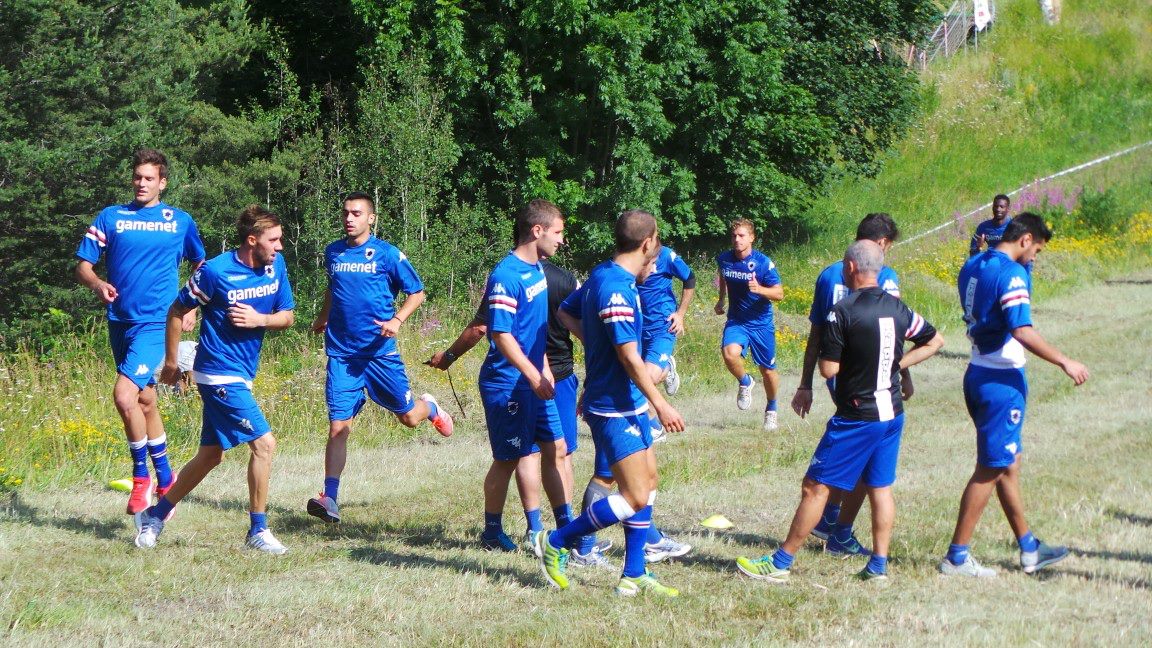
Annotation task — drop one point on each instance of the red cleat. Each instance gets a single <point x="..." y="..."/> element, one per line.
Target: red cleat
<point x="443" y="420"/>
<point x="141" y="497"/>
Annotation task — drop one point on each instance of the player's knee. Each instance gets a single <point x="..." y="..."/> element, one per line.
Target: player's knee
<point x="411" y="418"/>
<point x="265" y="446"/>
<point x="812" y="488"/>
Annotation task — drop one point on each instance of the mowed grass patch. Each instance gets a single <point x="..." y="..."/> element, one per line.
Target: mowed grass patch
<point x="404" y="568"/>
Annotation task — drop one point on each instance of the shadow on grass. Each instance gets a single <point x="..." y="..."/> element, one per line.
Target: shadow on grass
<point x="102" y="529"/>
<point x="1124" y="516"/>
<point x="1131" y="556"/>
<point x="1120" y="581"/>
<point x="378" y="556"/>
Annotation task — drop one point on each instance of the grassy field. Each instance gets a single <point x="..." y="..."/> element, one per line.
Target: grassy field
<point x="405" y="569"/>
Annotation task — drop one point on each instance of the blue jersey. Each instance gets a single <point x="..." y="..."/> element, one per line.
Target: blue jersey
<point x="228" y="353"/>
<point x="991" y="232"/>
<point x="995" y="293"/>
<point x="610" y="314"/>
<point x="144" y="247"/>
<point x="743" y="306"/>
<point x="364" y="281"/>
<point x="517" y="296"/>
<point x="831" y="288"/>
<point x="656" y="291"/>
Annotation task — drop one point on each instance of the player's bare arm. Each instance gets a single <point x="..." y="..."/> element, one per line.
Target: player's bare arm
<point x="629" y="356"/>
<point x="392" y="326"/>
<point x="802" y="399"/>
<point x="321" y="321"/>
<point x="771" y="293"/>
<point x="722" y="294"/>
<point x="86" y="275"/>
<point x="170" y="372"/>
<point x="922" y="352"/>
<point x="507" y="345"/>
<point x="244" y="316"/>
<point x="1034" y="342"/>
<point x="468" y="338"/>
<point x="676" y="319"/>
<point x="571" y="323"/>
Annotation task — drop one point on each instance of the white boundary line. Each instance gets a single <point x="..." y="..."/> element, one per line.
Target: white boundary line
<point x="952" y="222"/>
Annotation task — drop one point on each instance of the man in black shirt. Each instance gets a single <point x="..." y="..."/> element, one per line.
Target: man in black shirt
<point x="863" y="347"/>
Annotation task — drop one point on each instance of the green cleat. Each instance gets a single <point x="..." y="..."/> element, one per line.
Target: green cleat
<point x="870" y="576"/>
<point x="644" y="584"/>
<point x="762" y="569"/>
<point x="553" y="561"/>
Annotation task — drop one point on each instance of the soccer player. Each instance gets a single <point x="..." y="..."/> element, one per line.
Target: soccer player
<point x="618" y="395"/>
<point x="664" y="320"/>
<point x="144" y="241"/>
<point x="750" y="280"/>
<point x="360" y="322"/>
<point x="990" y="232"/>
<point x="863" y="347"/>
<point x="839" y="515"/>
<point x="515" y="378"/>
<point x="558" y="413"/>
<point x="242" y="294"/>
<point x="994" y="291"/>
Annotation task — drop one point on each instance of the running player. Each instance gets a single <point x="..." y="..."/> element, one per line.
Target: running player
<point x="144" y="241"/>
<point x="839" y="515"/>
<point x="863" y="346"/>
<point x="360" y="322"/>
<point x="664" y="321"/>
<point x="750" y="280"/>
<point x="989" y="233"/>
<point x="516" y="379"/>
<point x="995" y="292"/>
<point x="616" y="386"/>
<point x="242" y="293"/>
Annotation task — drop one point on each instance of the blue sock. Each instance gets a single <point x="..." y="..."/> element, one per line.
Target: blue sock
<point x="831" y="514"/>
<point x="635" y="533"/>
<point x="1028" y="542"/>
<point x="433" y="411"/>
<point x="771" y="405"/>
<point x="259" y="522"/>
<point x="139" y="450"/>
<point x="782" y="559"/>
<point x="162" y="508"/>
<point x="332" y="487"/>
<point x="746" y="380"/>
<point x="842" y="532"/>
<point x="158" y="450"/>
<point x="535" y="523"/>
<point x="563" y="514"/>
<point x="598" y="516"/>
<point x="493" y="524"/>
<point x="878" y="564"/>
<point x="654" y="535"/>
<point x="957" y="554"/>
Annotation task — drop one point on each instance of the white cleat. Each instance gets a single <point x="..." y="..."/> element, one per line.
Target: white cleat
<point x="770" y="420"/>
<point x="967" y="568"/>
<point x="744" y="395"/>
<point x="148" y="529"/>
<point x="266" y="542"/>
<point x="672" y="379"/>
<point x="664" y="549"/>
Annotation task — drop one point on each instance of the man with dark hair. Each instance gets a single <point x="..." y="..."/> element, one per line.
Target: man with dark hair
<point x="863" y="346"/>
<point x="839" y="515"/>
<point x="749" y="277"/>
<point x="516" y="378"/>
<point x="144" y="241"/>
<point x="990" y="232"/>
<point x="618" y="394"/>
<point x="360" y="321"/>
<point x="995" y="292"/>
<point x="242" y="293"/>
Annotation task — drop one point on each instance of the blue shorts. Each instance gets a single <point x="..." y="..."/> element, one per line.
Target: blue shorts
<point x="231" y="416"/>
<point x="617" y="437"/>
<point x="761" y="340"/>
<point x="995" y="400"/>
<point x="383" y="377"/>
<point x="853" y="450"/>
<point x="658" y="347"/>
<point x="138" y="350"/>
<point x="565" y="407"/>
<point x="513" y="418"/>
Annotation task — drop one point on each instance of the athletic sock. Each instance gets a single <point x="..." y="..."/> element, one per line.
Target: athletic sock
<point x="534" y="521"/>
<point x="831" y="514"/>
<point x="957" y="554"/>
<point x="654" y="535"/>
<point x="782" y="559"/>
<point x="259" y="522"/>
<point x="332" y="487"/>
<point x="635" y="533"/>
<point x="746" y="380"/>
<point x="1028" y="542"/>
<point x="771" y="406"/>
<point x="878" y="564"/>
<point x="139" y="450"/>
<point x="433" y="411"/>
<point x="841" y="532"/>
<point x="604" y="513"/>
<point x="563" y="514"/>
<point x="593" y="493"/>
<point x="162" y="509"/>
<point x="158" y="450"/>
<point x="493" y="524"/>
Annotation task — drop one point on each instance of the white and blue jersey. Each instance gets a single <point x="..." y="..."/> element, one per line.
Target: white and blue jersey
<point x="991" y="232"/>
<point x="227" y="353"/>
<point x="144" y="247"/>
<point x="831" y="287"/>
<point x="656" y="292"/>
<point x="995" y="293"/>
<point x="743" y="306"/>
<point x="364" y="281"/>
<point x="517" y="296"/>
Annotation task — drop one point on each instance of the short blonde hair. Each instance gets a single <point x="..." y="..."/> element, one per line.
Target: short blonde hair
<point x="254" y="221"/>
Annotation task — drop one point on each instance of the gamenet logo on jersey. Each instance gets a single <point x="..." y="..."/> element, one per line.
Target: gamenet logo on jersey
<point x="348" y="266"/>
<point x="253" y="292"/>
<point x="536" y="289"/>
<point x="145" y="226"/>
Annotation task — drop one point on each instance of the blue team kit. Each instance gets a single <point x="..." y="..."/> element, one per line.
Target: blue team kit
<point x="656" y="341"/>
<point x="751" y="321"/>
